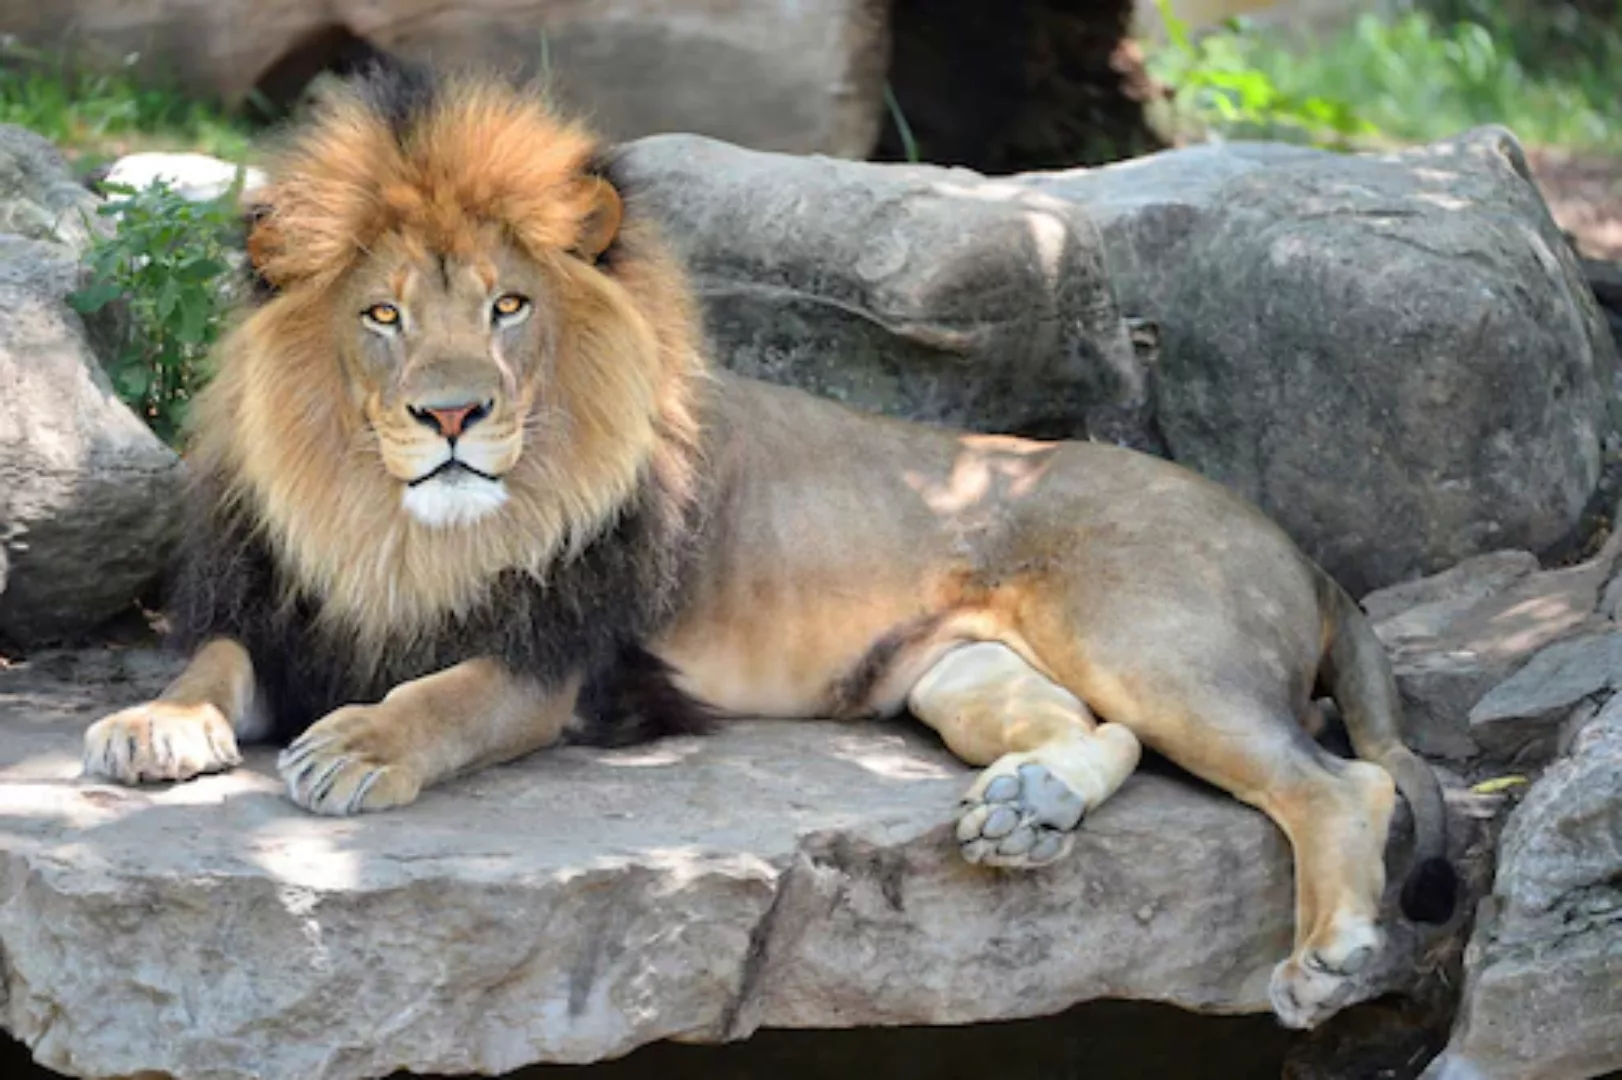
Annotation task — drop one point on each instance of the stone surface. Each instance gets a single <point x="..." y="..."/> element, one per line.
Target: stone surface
<point x="579" y="903"/>
<point x="39" y="199"/>
<point x="86" y="490"/>
<point x="1559" y="686"/>
<point x="1395" y="355"/>
<point x="778" y="74"/>
<point x="1544" y="967"/>
<point x="1149" y="207"/>
<point x="917" y="291"/>
<point x="1456" y="635"/>
<point x="197" y="177"/>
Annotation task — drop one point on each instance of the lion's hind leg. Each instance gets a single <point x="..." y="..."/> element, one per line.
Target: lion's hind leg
<point x="1335" y="813"/>
<point x="1049" y="761"/>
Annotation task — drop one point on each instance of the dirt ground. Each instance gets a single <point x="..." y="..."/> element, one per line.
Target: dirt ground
<point x="1585" y="193"/>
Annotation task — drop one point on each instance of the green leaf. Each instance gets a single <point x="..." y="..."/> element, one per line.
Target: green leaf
<point x="168" y="296"/>
<point x="194" y="313"/>
<point x="1497" y="784"/>
<point x="133" y="381"/>
<point x="93" y="298"/>
<point x="201" y="268"/>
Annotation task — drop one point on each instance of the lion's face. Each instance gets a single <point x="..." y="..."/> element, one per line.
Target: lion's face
<point x="461" y="360"/>
<point x="444" y="355"/>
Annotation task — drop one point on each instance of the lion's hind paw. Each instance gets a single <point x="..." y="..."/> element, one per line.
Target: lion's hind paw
<point x="1018" y="814"/>
<point x="1311" y="986"/>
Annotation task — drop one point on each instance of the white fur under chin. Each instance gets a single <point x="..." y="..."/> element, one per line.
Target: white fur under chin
<point x="444" y="502"/>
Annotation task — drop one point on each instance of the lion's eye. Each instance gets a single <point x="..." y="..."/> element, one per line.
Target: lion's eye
<point x="382" y="315"/>
<point x="509" y="306"/>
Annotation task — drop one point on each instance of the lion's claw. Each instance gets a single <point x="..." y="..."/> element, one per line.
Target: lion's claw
<point x="346" y="763"/>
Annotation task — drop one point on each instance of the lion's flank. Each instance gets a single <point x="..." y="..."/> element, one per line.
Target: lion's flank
<point x="299" y="547"/>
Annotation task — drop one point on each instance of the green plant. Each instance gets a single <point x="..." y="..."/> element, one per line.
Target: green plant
<point x="94" y="114"/>
<point x="1217" y="84"/>
<point x="909" y="144"/>
<point x="1408" y="78"/>
<point x="166" y="259"/>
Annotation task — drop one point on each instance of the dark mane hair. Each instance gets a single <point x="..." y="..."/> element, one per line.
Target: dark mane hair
<point x="589" y="616"/>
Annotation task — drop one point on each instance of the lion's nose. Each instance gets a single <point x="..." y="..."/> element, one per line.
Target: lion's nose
<point x="450" y="420"/>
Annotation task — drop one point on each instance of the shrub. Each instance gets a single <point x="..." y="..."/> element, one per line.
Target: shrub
<point x="1403" y="79"/>
<point x="166" y="261"/>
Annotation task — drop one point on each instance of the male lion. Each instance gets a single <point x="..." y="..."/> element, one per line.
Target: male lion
<point x="465" y="487"/>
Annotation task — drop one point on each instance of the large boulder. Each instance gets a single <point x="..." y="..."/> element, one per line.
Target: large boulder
<point x="1543" y="992"/>
<point x="924" y="292"/>
<point x="1395" y="355"/>
<point x="86" y="490"/>
<point x="39" y="198"/>
<point x="778" y="74"/>
<point x="579" y="903"/>
<point x="1498" y="659"/>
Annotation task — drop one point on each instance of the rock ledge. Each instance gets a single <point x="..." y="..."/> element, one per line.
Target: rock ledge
<point x="580" y="903"/>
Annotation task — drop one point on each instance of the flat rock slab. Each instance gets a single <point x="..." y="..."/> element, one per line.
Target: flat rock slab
<point x="580" y="903"/>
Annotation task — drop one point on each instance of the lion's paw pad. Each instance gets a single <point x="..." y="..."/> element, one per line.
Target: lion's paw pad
<point x="1024" y="818"/>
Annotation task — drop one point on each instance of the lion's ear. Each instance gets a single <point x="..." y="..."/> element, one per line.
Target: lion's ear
<point x="601" y="221"/>
<point x="264" y="243"/>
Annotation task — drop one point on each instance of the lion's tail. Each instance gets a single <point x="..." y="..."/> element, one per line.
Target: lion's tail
<point x="1358" y="673"/>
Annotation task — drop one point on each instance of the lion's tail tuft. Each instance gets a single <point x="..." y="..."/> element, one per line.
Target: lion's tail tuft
<point x="636" y="700"/>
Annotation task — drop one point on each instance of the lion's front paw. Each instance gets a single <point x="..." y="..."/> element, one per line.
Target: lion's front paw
<point x="159" y="741"/>
<point x="349" y="761"/>
<point x="1018" y="814"/>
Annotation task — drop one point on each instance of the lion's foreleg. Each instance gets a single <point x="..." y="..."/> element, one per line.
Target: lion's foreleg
<point x="370" y="757"/>
<point x="1050" y="760"/>
<point x="187" y="730"/>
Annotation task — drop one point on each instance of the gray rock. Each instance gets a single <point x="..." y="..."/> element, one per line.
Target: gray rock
<point x="778" y="74"/>
<point x="1424" y="607"/>
<point x="87" y="492"/>
<point x="1396" y="356"/>
<point x="922" y="292"/>
<point x="1527" y="709"/>
<point x="1543" y="991"/>
<point x="577" y="904"/>
<point x="1147" y="208"/>
<point x="1455" y="636"/>
<point x="39" y="198"/>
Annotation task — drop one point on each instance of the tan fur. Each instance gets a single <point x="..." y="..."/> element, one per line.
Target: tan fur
<point x="1013" y="592"/>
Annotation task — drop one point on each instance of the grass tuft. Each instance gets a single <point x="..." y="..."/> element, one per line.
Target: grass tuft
<point x="96" y="116"/>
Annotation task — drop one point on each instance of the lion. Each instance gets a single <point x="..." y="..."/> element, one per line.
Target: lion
<point x="466" y="485"/>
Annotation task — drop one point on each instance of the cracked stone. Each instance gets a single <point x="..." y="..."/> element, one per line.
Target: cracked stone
<point x="1543" y="971"/>
<point x="1456" y="636"/>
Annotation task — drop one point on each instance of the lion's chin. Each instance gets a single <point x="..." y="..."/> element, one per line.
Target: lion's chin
<point x="456" y="497"/>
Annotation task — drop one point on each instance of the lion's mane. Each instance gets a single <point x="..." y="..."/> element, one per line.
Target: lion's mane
<point x="296" y="544"/>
